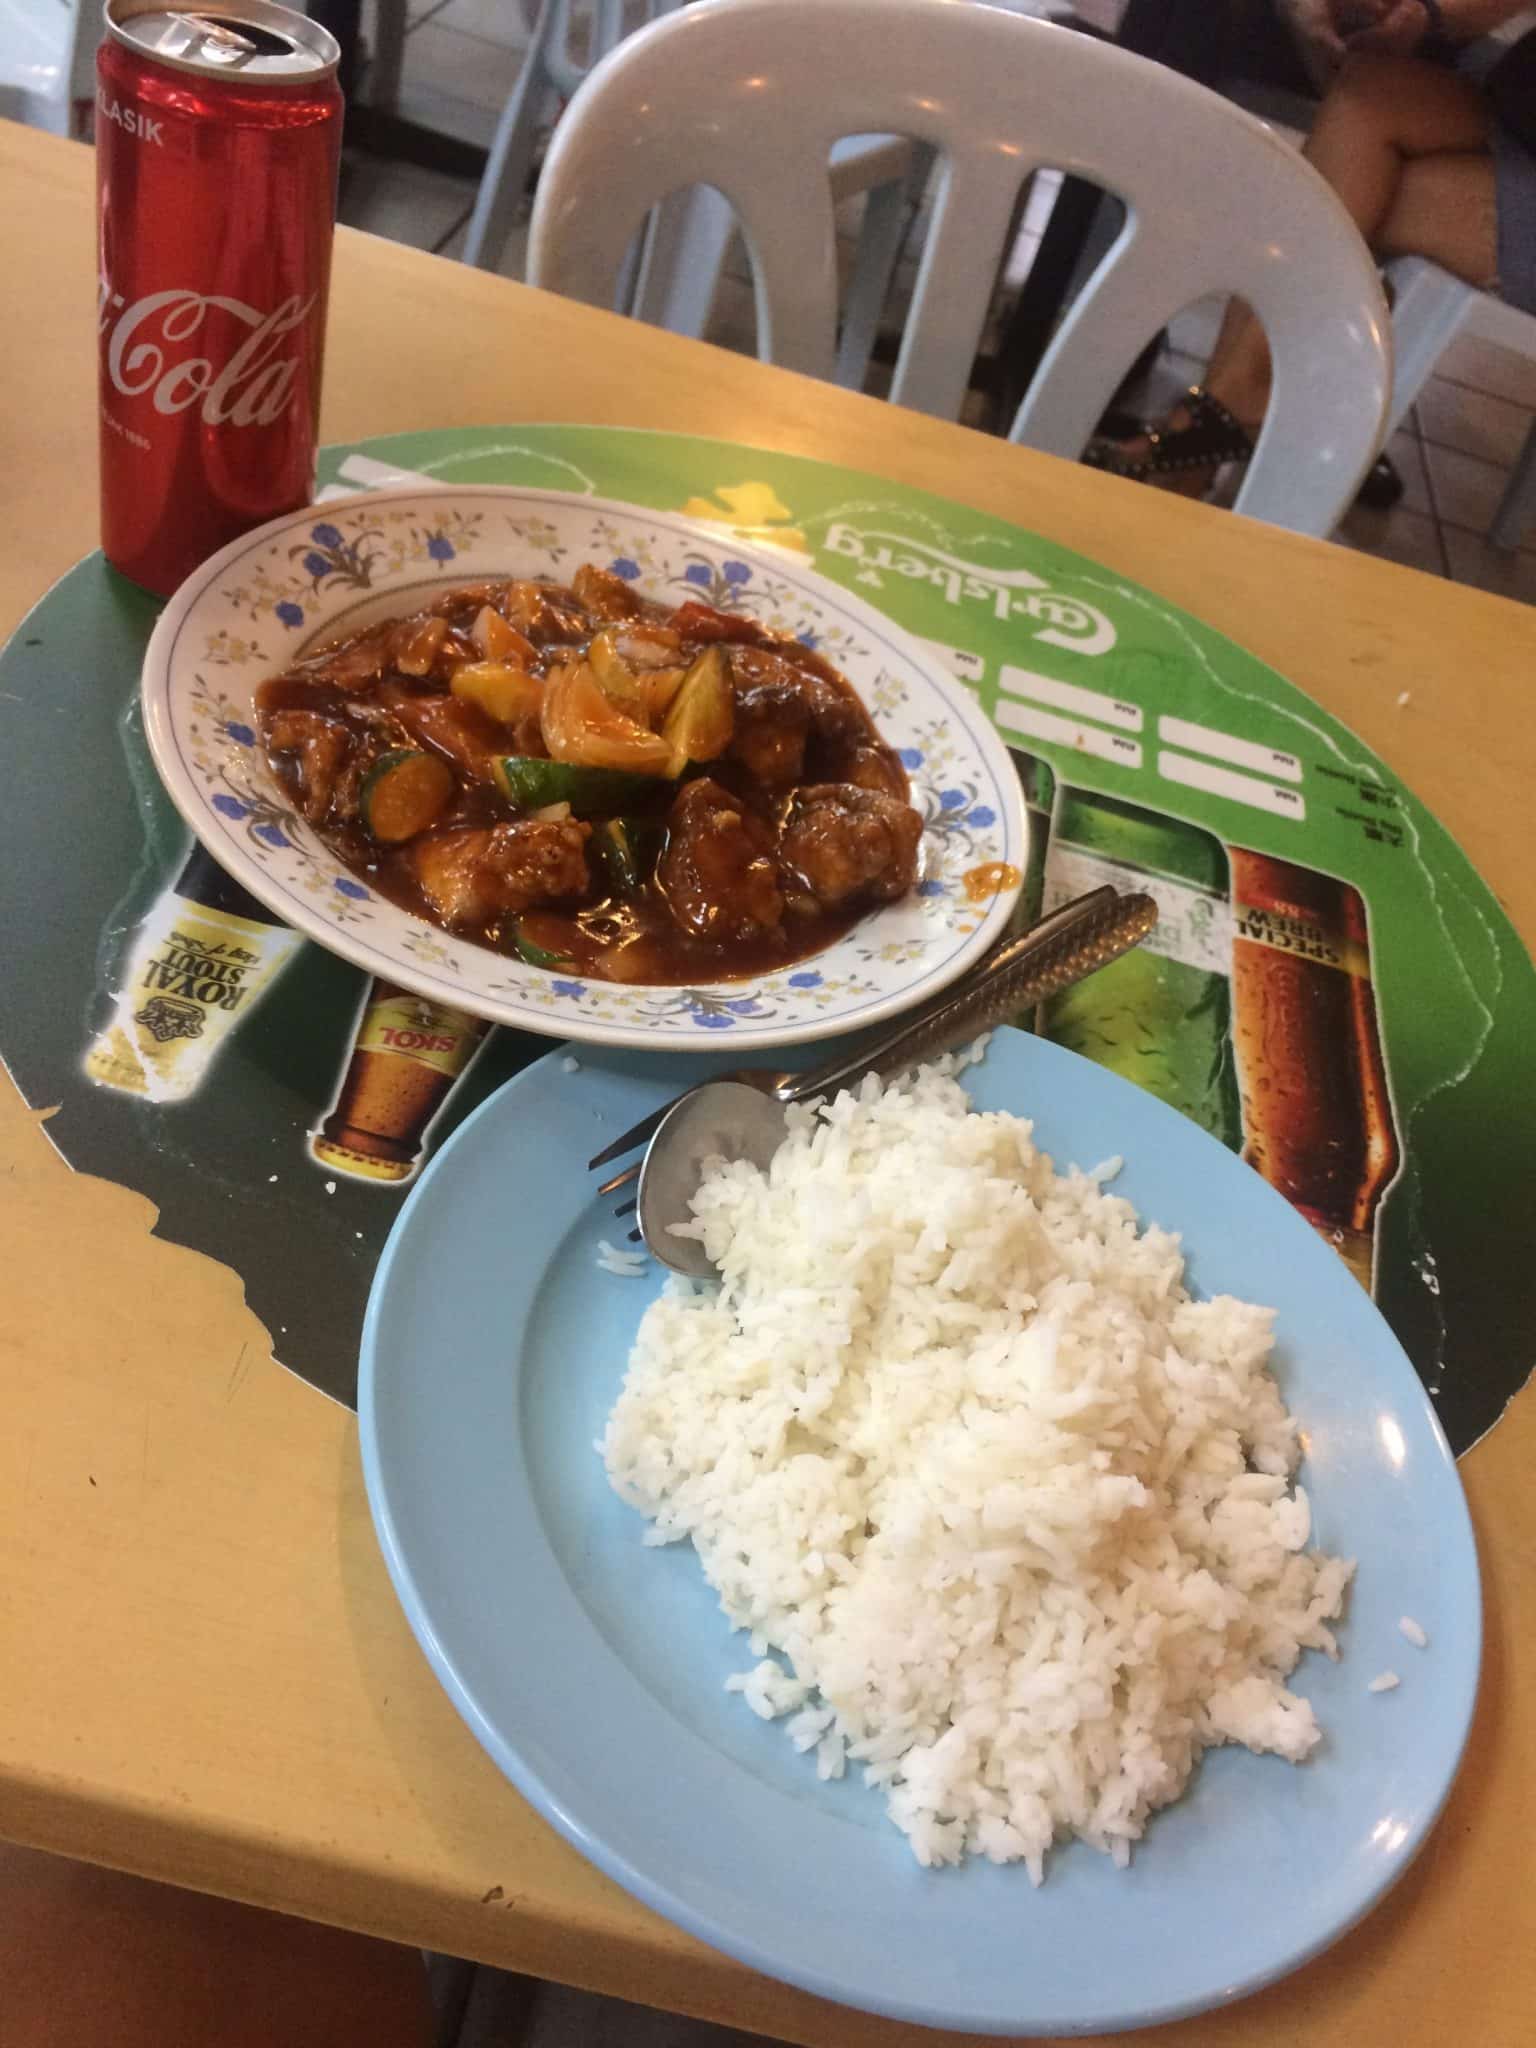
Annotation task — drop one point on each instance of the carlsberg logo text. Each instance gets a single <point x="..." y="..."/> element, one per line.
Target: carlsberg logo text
<point x="150" y="353"/>
<point x="1015" y="595"/>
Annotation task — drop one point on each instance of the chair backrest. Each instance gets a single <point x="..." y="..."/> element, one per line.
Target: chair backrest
<point x="48" y="63"/>
<point x="608" y="27"/>
<point x="750" y="95"/>
<point x="548" y="74"/>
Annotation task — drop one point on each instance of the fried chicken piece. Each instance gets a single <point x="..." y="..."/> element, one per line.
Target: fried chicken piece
<point x="873" y="767"/>
<point x="470" y="874"/>
<point x="353" y="667"/>
<point x="449" y="726"/>
<point x="545" y="613"/>
<point x="768" y="683"/>
<point x="773" y="723"/>
<point x="841" y="843"/>
<point x="605" y="595"/>
<point x="717" y="873"/>
<point x="320" y="748"/>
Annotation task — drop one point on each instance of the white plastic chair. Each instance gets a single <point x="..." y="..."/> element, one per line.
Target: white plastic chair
<point x="750" y="95"/>
<point x="690" y="235"/>
<point x="48" y="63"/>
<point x="549" y="74"/>
<point x="676" y="273"/>
<point x="1431" y="308"/>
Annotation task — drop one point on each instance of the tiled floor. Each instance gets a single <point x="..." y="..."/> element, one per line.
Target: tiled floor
<point x="1454" y="454"/>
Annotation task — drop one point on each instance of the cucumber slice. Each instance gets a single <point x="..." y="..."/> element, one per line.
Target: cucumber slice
<point x="536" y="956"/>
<point x="627" y="849"/>
<point x="403" y="793"/>
<point x="531" y="784"/>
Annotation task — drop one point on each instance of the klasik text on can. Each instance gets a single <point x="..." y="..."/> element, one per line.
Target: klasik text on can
<point x="218" y="137"/>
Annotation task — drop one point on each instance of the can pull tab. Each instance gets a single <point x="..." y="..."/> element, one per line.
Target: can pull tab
<point x="221" y="43"/>
<point x="218" y="42"/>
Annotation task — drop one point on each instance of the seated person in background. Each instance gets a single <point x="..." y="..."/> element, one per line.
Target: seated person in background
<point x="1408" y="139"/>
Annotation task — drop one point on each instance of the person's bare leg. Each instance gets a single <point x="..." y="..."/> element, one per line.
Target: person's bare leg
<point x="1382" y="114"/>
<point x="1405" y="146"/>
<point x="1386" y="117"/>
<point x="1446" y="209"/>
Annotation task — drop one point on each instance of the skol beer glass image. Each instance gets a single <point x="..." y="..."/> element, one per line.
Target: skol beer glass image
<point x="407" y="1055"/>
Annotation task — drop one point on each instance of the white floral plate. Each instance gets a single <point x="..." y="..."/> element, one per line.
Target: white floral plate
<point x="325" y="572"/>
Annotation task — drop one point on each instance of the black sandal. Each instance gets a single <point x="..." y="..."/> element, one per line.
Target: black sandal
<point x="1214" y="436"/>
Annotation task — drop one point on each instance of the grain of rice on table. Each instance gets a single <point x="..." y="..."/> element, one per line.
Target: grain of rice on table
<point x="951" y="1437"/>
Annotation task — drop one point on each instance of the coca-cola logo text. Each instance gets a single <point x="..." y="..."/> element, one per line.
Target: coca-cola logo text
<point x="146" y="355"/>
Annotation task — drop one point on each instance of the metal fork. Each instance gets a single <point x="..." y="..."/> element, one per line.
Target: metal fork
<point x="1063" y="948"/>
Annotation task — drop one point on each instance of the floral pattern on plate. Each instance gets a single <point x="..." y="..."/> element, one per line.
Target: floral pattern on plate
<point x="270" y="597"/>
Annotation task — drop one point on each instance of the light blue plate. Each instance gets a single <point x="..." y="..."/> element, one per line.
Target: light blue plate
<point x="592" y="1669"/>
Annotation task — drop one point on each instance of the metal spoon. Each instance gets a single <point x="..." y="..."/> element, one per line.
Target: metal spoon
<point x="735" y="1120"/>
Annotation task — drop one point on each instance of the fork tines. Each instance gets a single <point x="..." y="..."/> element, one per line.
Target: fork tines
<point x="639" y="1134"/>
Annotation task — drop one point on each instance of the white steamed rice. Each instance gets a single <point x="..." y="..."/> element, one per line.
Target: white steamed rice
<point x="951" y="1437"/>
<point x="628" y="1263"/>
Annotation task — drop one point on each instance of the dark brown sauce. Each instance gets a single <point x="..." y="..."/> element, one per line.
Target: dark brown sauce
<point x="602" y="934"/>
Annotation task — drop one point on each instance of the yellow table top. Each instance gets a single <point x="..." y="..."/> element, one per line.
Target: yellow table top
<point x="206" y="1676"/>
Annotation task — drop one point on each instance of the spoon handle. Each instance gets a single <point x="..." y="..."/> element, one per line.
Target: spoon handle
<point x="1067" y="946"/>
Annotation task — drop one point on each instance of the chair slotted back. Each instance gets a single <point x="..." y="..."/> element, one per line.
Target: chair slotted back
<point x="749" y="96"/>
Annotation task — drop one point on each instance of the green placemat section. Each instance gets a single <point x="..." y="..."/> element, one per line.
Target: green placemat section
<point x="1333" y="988"/>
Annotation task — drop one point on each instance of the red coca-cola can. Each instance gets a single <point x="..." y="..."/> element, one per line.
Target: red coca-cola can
<point x="218" y="137"/>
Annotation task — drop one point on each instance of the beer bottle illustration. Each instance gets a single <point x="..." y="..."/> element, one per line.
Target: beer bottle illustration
<point x="201" y="960"/>
<point x="407" y="1054"/>
<point x="1316" y="1106"/>
<point x="1039" y="785"/>
<point x="1160" y="1015"/>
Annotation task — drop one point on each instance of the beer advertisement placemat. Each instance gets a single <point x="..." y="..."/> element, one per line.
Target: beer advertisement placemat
<point x="1331" y="990"/>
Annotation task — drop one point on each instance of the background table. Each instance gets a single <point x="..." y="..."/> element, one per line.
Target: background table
<point x="206" y="1676"/>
